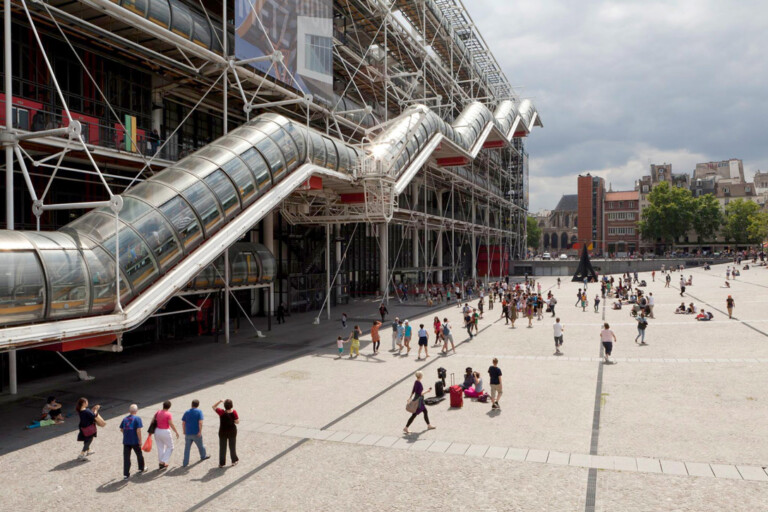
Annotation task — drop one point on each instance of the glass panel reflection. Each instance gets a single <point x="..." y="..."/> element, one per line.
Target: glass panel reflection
<point x="69" y="288"/>
<point x="22" y="292"/>
<point x="184" y="221"/>
<point x="202" y="200"/>
<point x="135" y="259"/>
<point x="158" y="234"/>
<point x="224" y="191"/>
<point x="102" y="270"/>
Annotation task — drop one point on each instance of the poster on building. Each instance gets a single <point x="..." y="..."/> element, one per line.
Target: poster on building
<point x="301" y="30"/>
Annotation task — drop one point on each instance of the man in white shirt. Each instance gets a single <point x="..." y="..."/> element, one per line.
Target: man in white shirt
<point x="651" y="302"/>
<point x="558" y="331"/>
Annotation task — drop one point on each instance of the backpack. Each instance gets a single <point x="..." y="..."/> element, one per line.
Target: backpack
<point x="553" y="301"/>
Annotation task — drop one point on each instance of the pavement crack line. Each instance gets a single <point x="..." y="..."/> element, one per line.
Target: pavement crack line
<point x="592" y="475"/>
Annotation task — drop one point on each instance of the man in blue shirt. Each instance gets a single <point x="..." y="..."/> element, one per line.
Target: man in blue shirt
<point x="131" y="428"/>
<point x="192" y="425"/>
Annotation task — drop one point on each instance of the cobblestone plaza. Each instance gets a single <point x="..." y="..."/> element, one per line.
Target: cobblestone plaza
<point x="675" y="425"/>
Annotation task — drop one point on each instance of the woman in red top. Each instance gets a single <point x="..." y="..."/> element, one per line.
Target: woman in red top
<point x="228" y="421"/>
<point x="438" y="330"/>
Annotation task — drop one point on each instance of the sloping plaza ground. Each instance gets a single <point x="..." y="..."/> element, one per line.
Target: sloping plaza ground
<point x="675" y="425"/>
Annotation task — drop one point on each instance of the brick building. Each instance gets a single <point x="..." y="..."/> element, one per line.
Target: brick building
<point x="591" y="192"/>
<point x="622" y="211"/>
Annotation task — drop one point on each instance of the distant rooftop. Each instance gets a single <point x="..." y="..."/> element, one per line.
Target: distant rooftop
<point x="568" y="203"/>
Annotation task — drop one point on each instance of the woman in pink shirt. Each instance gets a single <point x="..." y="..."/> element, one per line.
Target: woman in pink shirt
<point x="607" y="337"/>
<point x="163" y="438"/>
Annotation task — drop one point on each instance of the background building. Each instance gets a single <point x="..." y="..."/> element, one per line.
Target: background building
<point x="591" y="193"/>
<point x="559" y="227"/>
<point x="622" y="211"/>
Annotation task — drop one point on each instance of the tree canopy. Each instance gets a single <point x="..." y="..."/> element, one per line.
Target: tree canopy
<point x="744" y="222"/>
<point x="669" y="215"/>
<point x="707" y="217"/>
<point x="534" y="233"/>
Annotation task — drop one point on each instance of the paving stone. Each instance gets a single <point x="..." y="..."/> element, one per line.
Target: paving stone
<point x="753" y="473"/>
<point x="477" y="450"/>
<point x="580" y="459"/>
<point x="439" y="446"/>
<point x="602" y="462"/>
<point x="321" y="435"/>
<point x="624" y="463"/>
<point x="648" y="465"/>
<point x="353" y="438"/>
<point x="558" y="458"/>
<point x="673" y="467"/>
<point x="338" y="436"/>
<point x="278" y="429"/>
<point x="725" y="471"/>
<point x="699" y="469"/>
<point x="386" y="441"/>
<point x="266" y="427"/>
<point x="403" y="443"/>
<point x="537" y="456"/>
<point x="516" y="454"/>
<point x="496" y="452"/>
<point x="457" y="448"/>
<point x="370" y="439"/>
<point x="422" y="445"/>
<point x="297" y="432"/>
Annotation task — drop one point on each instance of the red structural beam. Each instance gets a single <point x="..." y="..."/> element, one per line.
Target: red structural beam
<point x="452" y="161"/>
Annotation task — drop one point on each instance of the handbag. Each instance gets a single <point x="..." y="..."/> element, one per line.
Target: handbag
<point x="147" y="447"/>
<point x="88" y="431"/>
<point x="152" y="425"/>
<point x="413" y="406"/>
<point x="100" y="421"/>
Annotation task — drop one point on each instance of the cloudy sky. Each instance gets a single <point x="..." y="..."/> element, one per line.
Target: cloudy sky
<point x="622" y="84"/>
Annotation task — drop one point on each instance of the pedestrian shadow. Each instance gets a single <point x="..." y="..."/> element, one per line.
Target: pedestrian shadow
<point x="493" y="413"/>
<point x="112" y="486"/>
<point x="412" y="437"/>
<point x="179" y="471"/>
<point x="148" y="476"/>
<point x="212" y="474"/>
<point x="64" y="466"/>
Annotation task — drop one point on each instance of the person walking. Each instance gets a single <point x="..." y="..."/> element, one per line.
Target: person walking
<point x="468" y="324"/>
<point x="729" y="304"/>
<point x="407" y="335"/>
<point x="653" y="276"/>
<point x="578" y="298"/>
<point x="496" y="389"/>
<point x="447" y="337"/>
<point x="163" y="438"/>
<point x="280" y="314"/>
<point x="558" y="332"/>
<point x="343" y="320"/>
<point x="417" y="393"/>
<point x="552" y="304"/>
<point x="354" y="337"/>
<point x="438" y="326"/>
<point x="192" y="428"/>
<point x="375" y="336"/>
<point x="228" y="422"/>
<point x="682" y="286"/>
<point x="584" y="301"/>
<point x="597" y="303"/>
<point x="395" y="322"/>
<point x="607" y="338"/>
<point x="642" y="324"/>
<point x="86" y="431"/>
<point x="668" y="280"/>
<point x="651" y="303"/>
<point x="558" y="283"/>
<point x="131" y="428"/>
<point x="383" y="312"/>
<point x="423" y="341"/>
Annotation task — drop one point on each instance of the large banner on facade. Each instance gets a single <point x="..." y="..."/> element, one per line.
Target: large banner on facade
<point x="302" y="30"/>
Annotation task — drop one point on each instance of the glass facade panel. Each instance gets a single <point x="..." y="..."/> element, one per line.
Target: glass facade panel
<point x="225" y="192"/>
<point x="343" y="158"/>
<point x="239" y="173"/>
<point x="332" y="160"/>
<point x="274" y="157"/>
<point x="176" y="178"/>
<point x="97" y="226"/>
<point x="152" y="192"/>
<point x="299" y="138"/>
<point x="202" y="201"/>
<point x="22" y="291"/>
<point x="158" y="234"/>
<point x="102" y="269"/>
<point x="69" y="287"/>
<point x="288" y="147"/>
<point x="259" y="168"/>
<point x="266" y="262"/>
<point x="184" y="221"/>
<point x="238" y="274"/>
<point x="135" y="259"/>
<point x="318" y="149"/>
<point x="200" y="165"/>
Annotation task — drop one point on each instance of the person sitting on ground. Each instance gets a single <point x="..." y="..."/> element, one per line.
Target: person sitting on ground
<point x="704" y="316"/>
<point x="691" y="309"/>
<point x="643" y="283"/>
<point x="735" y="273"/>
<point x="469" y="379"/>
<point x="680" y="309"/>
<point x="726" y="285"/>
<point x="476" y="390"/>
<point x="689" y="282"/>
<point x="617" y="304"/>
<point x="746" y="267"/>
<point x="51" y="415"/>
<point x="707" y="267"/>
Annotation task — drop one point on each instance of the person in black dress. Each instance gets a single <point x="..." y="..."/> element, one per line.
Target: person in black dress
<point x="87" y="427"/>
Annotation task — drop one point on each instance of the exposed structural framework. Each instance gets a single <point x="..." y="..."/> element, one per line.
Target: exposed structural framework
<point x="373" y="141"/>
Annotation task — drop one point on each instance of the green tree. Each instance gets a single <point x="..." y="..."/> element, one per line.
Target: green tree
<point x="707" y="218"/>
<point x="743" y="222"/>
<point x="669" y="215"/>
<point x="534" y="233"/>
<point x="758" y="228"/>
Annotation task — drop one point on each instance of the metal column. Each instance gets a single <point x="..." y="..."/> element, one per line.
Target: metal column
<point x="384" y="261"/>
<point x="8" y="86"/>
<point x="328" y="266"/>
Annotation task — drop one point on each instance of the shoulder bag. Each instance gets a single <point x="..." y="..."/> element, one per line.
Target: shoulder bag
<point x="152" y="425"/>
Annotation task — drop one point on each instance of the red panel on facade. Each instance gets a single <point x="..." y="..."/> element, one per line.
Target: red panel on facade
<point x="521" y="133"/>
<point x="313" y="183"/>
<point x="77" y="344"/>
<point x="353" y="198"/>
<point x="452" y="161"/>
<point x="493" y="144"/>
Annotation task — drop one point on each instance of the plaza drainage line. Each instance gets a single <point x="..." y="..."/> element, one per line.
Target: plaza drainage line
<point x="592" y="475"/>
<point x="291" y="448"/>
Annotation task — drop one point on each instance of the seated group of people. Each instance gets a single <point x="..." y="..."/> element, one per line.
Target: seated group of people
<point x="51" y="414"/>
<point x="682" y="309"/>
<point x="704" y="316"/>
<point x="473" y="384"/>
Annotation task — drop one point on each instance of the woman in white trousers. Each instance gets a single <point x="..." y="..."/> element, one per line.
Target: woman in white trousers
<point x="163" y="437"/>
